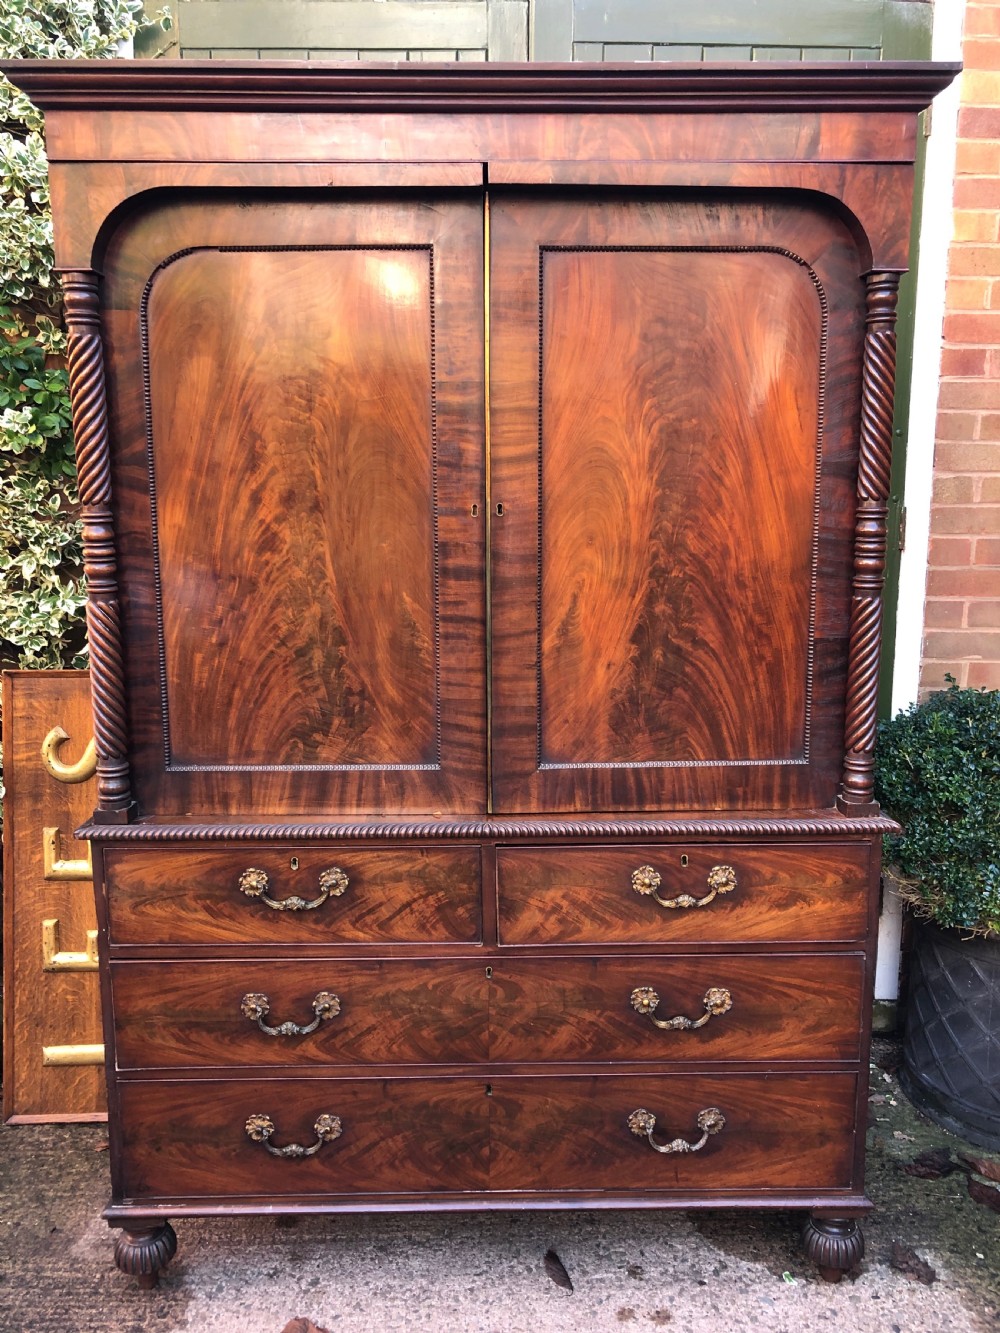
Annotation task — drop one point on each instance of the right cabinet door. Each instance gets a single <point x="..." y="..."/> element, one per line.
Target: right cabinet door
<point x="674" y="404"/>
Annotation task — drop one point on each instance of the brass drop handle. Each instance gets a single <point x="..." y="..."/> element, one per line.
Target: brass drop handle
<point x="84" y="768"/>
<point x="717" y="1000"/>
<point x="332" y="882"/>
<point x="710" y="1121"/>
<point x="721" y="879"/>
<point x="256" y="1007"/>
<point x="259" y="1128"/>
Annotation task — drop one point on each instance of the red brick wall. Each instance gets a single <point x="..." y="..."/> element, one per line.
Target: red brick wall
<point x="962" y="612"/>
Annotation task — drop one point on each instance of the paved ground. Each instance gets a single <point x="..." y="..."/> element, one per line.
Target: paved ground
<point x="690" y="1273"/>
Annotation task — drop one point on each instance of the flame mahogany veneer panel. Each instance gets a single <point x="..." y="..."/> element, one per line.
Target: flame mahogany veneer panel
<point x="674" y="402"/>
<point x="785" y="1007"/>
<point x="790" y="893"/>
<point x="678" y="464"/>
<point x="781" y="1131"/>
<point x="296" y="401"/>
<point x="187" y="1015"/>
<point x="176" y="1015"/>
<point x="410" y="895"/>
<point x="398" y="1135"/>
<point x="293" y="457"/>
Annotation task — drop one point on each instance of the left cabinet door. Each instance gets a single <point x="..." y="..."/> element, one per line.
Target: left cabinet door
<point x="296" y="408"/>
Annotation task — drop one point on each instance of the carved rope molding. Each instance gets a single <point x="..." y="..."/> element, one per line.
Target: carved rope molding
<point x="88" y="395"/>
<point x="489" y="829"/>
<point x="857" y="795"/>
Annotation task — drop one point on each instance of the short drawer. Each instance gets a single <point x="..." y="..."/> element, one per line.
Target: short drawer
<point x="754" y="892"/>
<point x="186" y="1014"/>
<point x="722" y="1007"/>
<point x="779" y="1132"/>
<point x="189" y="1138"/>
<point x="400" y="896"/>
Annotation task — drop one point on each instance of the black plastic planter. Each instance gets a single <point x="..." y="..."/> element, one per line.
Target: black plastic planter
<point x="951" y="1050"/>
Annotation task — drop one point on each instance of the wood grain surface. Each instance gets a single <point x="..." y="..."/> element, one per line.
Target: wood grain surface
<point x="375" y="589"/>
<point x="400" y="896"/>
<point x="398" y="1135"/>
<point x="674" y="398"/>
<point x="680" y="398"/>
<point x="576" y="895"/>
<point x="791" y="1131"/>
<point x="787" y="1007"/>
<point x="295" y="505"/>
<point x="44" y="1008"/>
<point x="187" y="1014"/>
<point x="298" y="477"/>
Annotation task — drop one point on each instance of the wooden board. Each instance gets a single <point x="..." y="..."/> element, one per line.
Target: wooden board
<point x="45" y="1008"/>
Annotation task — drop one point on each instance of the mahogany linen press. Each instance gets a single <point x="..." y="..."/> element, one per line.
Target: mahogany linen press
<point x="484" y="474"/>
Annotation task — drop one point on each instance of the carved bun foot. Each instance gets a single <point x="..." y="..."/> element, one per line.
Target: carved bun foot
<point x="834" y="1244"/>
<point x="143" y="1252"/>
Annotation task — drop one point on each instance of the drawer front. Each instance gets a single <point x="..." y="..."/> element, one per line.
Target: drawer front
<point x="780" y="1132"/>
<point x="757" y="1007"/>
<point x="188" y="1139"/>
<point x="775" y="893"/>
<point x="172" y="1015"/>
<point x="404" y="896"/>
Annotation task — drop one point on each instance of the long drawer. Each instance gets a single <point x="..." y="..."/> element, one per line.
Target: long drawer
<point x="175" y="1015"/>
<point x="723" y="893"/>
<point x="744" y="1006"/>
<point x="779" y="1132"/>
<point x="190" y="1138"/>
<point x="511" y="1010"/>
<point x="380" y="896"/>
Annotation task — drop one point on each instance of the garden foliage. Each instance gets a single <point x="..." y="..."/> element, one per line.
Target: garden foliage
<point x="937" y="770"/>
<point x="41" y="571"/>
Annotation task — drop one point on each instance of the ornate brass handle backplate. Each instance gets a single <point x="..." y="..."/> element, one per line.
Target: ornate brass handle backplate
<point x="254" y="882"/>
<point x="259" y="1128"/>
<point x="721" y="879"/>
<point x="256" y="1007"/>
<point x="710" y="1121"/>
<point x="717" y="1000"/>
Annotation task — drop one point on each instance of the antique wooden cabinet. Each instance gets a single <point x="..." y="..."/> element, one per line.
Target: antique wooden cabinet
<point x="484" y="474"/>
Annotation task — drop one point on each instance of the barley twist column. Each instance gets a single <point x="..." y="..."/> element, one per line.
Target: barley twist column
<point x="88" y="396"/>
<point x="857" y="794"/>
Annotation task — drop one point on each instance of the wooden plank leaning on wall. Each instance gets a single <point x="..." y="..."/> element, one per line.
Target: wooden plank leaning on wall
<point x="53" y="1056"/>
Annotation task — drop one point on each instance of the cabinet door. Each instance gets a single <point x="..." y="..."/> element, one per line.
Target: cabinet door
<point x="297" y="418"/>
<point x="674" y="407"/>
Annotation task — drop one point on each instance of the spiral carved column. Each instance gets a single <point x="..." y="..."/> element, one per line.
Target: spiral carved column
<point x="857" y="793"/>
<point x="88" y="396"/>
